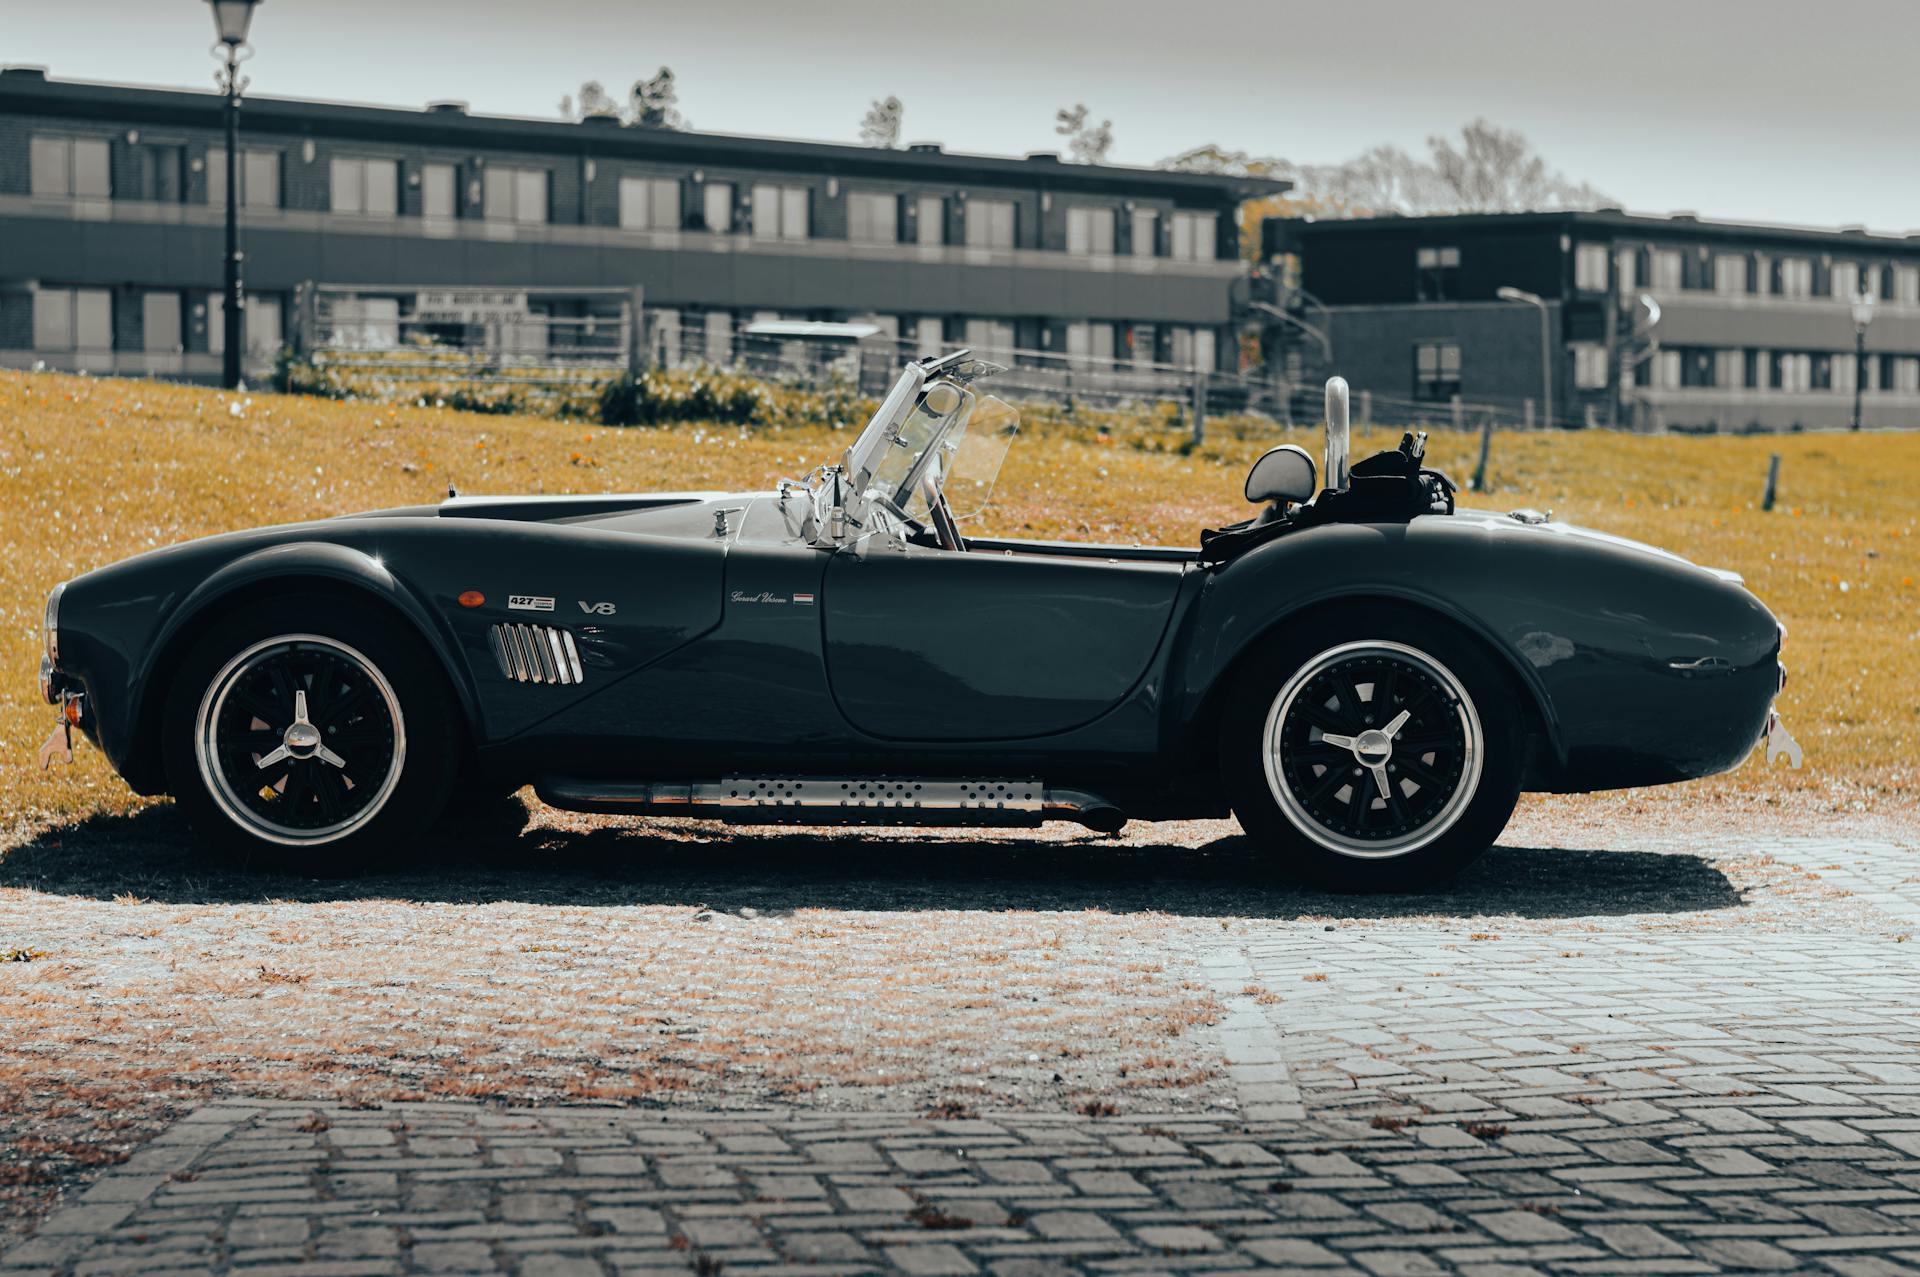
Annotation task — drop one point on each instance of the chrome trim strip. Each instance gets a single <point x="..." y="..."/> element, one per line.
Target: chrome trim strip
<point x="838" y="799"/>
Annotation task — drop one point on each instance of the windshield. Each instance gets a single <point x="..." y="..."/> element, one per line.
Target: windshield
<point x="934" y="434"/>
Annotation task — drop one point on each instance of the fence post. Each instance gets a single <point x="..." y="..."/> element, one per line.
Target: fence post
<point x="1199" y="408"/>
<point x="1773" y="481"/>
<point x="1486" y="446"/>
<point x="1366" y="410"/>
<point x="1526" y="413"/>
<point x="1459" y="413"/>
<point x="636" y="334"/>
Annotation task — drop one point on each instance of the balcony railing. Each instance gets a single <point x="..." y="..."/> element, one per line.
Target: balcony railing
<point x="483" y="230"/>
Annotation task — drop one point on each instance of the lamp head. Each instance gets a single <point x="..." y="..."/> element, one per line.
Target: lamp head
<point x="231" y="18"/>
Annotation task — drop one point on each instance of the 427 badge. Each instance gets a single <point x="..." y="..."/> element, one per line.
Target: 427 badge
<point x="529" y="603"/>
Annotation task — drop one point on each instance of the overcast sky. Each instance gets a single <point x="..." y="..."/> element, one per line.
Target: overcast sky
<point x="1760" y="110"/>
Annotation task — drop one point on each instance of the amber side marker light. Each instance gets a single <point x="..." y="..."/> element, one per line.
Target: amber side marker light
<point x="472" y="598"/>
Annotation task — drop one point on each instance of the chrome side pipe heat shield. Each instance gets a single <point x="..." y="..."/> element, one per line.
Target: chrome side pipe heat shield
<point x="837" y="800"/>
<point x="1339" y="469"/>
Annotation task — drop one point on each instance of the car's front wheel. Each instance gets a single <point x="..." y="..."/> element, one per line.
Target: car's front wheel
<point x="1380" y="752"/>
<point x="311" y="734"/>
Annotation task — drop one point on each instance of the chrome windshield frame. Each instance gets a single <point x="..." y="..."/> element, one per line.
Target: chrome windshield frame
<point x="840" y="509"/>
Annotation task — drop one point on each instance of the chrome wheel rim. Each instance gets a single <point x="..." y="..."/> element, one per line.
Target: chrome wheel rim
<point x="1373" y="749"/>
<point x="300" y="740"/>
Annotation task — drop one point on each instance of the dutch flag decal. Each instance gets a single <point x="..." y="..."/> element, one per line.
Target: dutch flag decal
<point x="803" y="598"/>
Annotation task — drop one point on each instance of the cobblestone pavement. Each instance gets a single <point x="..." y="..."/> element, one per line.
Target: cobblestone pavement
<point x="1728" y="1081"/>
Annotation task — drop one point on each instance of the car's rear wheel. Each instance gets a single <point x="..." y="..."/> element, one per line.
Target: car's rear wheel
<point x="1379" y="752"/>
<point x="311" y="734"/>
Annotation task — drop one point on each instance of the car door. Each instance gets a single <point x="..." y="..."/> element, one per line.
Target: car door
<point x="933" y="645"/>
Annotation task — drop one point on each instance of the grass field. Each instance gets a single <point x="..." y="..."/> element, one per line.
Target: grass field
<point x="94" y="470"/>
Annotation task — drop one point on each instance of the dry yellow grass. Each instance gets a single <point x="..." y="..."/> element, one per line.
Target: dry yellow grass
<point x="94" y="470"/>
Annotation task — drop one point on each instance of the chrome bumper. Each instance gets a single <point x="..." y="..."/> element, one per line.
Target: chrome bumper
<point x="1775" y="738"/>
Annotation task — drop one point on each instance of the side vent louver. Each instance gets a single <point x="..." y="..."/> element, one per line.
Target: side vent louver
<point x="536" y="654"/>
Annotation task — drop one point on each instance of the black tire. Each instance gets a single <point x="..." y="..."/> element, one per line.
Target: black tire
<point x="356" y="708"/>
<point x="1349" y="814"/>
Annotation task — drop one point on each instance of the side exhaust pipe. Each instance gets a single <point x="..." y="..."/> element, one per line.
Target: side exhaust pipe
<point x="1339" y="473"/>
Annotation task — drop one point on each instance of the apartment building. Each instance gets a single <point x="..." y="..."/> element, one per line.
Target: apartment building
<point x="1653" y="322"/>
<point x="112" y="208"/>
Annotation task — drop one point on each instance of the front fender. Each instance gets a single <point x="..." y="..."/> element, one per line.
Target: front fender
<point x="280" y="564"/>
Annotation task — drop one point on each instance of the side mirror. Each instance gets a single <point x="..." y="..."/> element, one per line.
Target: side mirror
<point x="1283" y="474"/>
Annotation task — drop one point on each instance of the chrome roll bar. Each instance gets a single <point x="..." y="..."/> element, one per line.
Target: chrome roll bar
<point x="1339" y="474"/>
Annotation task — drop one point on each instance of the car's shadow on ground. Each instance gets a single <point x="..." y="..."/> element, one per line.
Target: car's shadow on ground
<point x="152" y="856"/>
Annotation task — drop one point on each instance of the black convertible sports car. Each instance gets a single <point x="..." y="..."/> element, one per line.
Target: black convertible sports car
<point x="1366" y="676"/>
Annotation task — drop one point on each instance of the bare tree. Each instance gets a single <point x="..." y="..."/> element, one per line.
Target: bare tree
<point x="594" y="100"/>
<point x="1087" y="143"/>
<point x="651" y="104"/>
<point x="881" y="124"/>
<point x="1491" y="170"/>
<point x="655" y="103"/>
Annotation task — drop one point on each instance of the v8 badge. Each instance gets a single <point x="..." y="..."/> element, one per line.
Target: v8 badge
<point x="596" y="609"/>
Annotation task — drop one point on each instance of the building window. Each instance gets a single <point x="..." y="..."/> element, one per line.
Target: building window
<point x="63" y="167"/>
<point x="991" y="337"/>
<point x="873" y="218"/>
<point x="1843" y="372"/>
<point x="1796" y="277"/>
<point x="1843" y="281"/>
<point x="1090" y="343"/>
<point x="436" y="191"/>
<point x="1792" y="372"/>
<point x="1146" y="233"/>
<point x="260" y="323"/>
<point x="1436" y="370"/>
<point x="1590" y="268"/>
<point x="1730" y="369"/>
<point x="717" y="337"/>
<point x="1906" y="284"/>
<point x="990" y="223"/>
<point x="1730" y="274"/>
<point x="929" y="337"/>
<point x="364" y="186"/>
<point x="73" y="319"/>
<point x="1195" y="237"/>
<point x="515" y="194"/>
<point x="716" y="207"/>
<point x="1589" y="365"/>
<point x="1193" y="348"/>
<point x="160" y="323"/>
<point x="259" y="177"/>
<point x="780" y="212"/>
<point x="1906" y="375"/>
<point x="1627" y="262"/>
<point x="1436" y="273"/>
<point x="1090" y="232"/>
<point x="650" y="203"/>
<point x="930" y="221"/>
<point x="1665" y="269"/>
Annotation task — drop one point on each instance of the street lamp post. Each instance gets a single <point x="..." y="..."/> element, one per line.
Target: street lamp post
<point x="1546" y="344"/>
<point x="1862" y="316"/>
<point x="231" y="18"/>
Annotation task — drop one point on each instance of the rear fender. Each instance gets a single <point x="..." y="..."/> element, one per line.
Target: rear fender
<point x="1312" y="574"/>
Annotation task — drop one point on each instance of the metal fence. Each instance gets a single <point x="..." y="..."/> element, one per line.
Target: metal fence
<point x="559" y="338"/>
